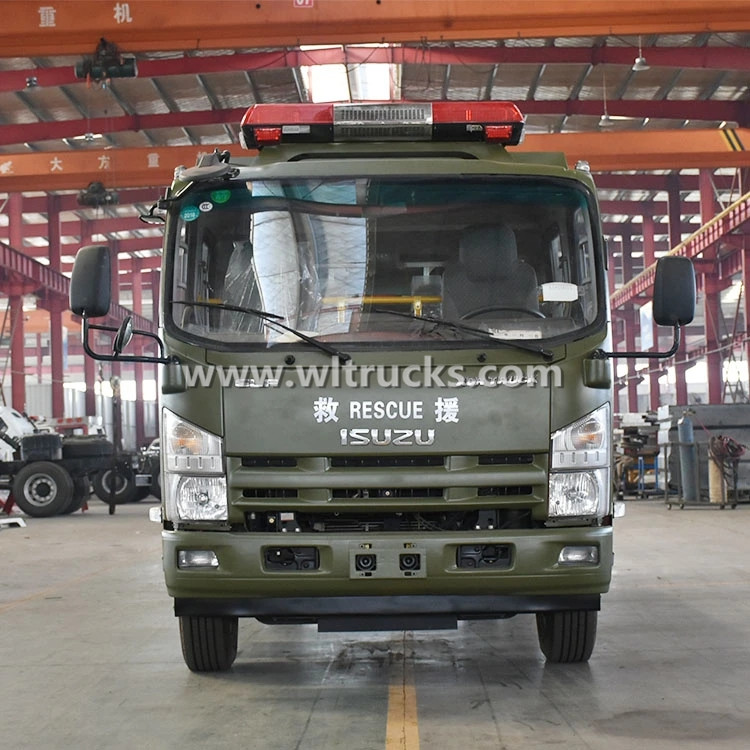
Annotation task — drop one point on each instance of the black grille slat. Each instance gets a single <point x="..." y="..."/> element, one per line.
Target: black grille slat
<point x="383" y="492"/>
<point x="269" y="492"/>
<point x="504" y="491"/>
<point x="506" y="459"/>
<point x="354" y="462"/>
<point x="264" y="462"/>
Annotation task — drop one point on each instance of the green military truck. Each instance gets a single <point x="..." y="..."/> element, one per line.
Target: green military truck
<point x="386" y="392"/>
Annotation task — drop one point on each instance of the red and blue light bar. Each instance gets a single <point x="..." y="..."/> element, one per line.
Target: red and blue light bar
<point x="490" y="122"/>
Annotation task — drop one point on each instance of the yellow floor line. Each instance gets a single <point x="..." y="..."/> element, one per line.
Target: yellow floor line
<point x="402" y="729"/>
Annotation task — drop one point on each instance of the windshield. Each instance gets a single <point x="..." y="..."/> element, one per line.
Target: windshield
<point x="366" y="260"/>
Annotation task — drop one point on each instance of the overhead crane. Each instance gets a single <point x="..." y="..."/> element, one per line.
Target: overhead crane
<point x="708" y="58"/>
<point x="33" y="29"/>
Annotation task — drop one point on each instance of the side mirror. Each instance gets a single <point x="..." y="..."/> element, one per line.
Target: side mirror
<point x="90" y="298"/>
<point x="674" y="302"/>
<point x="674" y="291"/>
<point x="123" y="336"/>
<point x="91" y="281"/>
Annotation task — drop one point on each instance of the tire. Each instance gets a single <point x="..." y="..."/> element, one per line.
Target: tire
<point x="81" y="492"/>
<point x="124" y="485"/>
<point x="42" y="489"/>
<point x="209" y="644"/>
<point x="567" y="637"/>
<point x="86" y="446"/>
<point x="156" y="484"/>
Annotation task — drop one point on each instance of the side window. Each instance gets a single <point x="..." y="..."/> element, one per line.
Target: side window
<point x="584" y="247"/>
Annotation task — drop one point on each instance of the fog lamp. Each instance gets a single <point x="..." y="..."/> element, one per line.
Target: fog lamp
<point x="197" y="558"/>
<point x="583" y="555"/>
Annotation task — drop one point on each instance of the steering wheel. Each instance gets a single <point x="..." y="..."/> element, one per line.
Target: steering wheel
<point x="499" y="308"/>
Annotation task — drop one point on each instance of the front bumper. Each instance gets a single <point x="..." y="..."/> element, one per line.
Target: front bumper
<point x="345" y="613"/>
<point x="533" y="580"/>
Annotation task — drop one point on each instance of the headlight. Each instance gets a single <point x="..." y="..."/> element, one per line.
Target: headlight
<point x="579" y="467"/>
<point x="198" y="498"/>
<point x="196" y="485"/>
<point x="578" y="493"/>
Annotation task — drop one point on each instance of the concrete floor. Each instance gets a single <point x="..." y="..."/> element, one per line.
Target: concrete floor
<point x="90" y="655"/>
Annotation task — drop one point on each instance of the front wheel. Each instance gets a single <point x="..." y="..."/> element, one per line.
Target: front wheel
<point x="567" y="637"/>
<point x="209" y="644"/>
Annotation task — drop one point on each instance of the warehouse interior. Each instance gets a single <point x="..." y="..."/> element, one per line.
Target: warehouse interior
<point x="101" y="102"/>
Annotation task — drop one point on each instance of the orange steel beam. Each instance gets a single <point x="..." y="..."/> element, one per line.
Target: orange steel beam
<point x="74" y="27"/>
<point x="605" y="152"/>
<point x="37" y="278"/>
<point x="621" y="150"/>
<point x="116" y="168"/>
<point x="720" y="226"/>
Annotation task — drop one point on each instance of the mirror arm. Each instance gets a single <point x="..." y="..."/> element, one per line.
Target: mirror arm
<point x="649" y="355"/>
<point x="161" y="359"/>
<point x="154" y="337"/>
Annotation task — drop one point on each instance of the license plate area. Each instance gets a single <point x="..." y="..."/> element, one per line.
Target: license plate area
<point x="383" y="559"/>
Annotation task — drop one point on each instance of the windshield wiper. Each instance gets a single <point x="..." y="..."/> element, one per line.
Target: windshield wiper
<point x="271" y="319"/>
<point x="546" y="353"/>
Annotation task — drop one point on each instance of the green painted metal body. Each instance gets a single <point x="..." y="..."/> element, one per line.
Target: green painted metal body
<point x="278" y="421"/>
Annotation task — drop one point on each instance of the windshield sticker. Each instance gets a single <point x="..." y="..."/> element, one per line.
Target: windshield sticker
<point x="507" y="333"/>
<point x="220" y="196"/>
<point x="206" y="206"/>
<point x="189" y="213"/>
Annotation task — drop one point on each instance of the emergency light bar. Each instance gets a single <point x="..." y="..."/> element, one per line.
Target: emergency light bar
<point x="491" y="122"/>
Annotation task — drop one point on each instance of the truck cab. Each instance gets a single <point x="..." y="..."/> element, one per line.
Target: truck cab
<point x="386" y="400"/>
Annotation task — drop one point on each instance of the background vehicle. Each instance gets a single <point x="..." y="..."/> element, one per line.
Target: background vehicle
<point x="48" y="474"/>
<point x="130" y="477"/>
<point x="334" y="476"/>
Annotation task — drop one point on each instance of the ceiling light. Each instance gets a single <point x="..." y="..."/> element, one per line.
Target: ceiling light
<point x="605" y="121"/>
<point x="640" y="63"/>
<point x="87" y="137"/>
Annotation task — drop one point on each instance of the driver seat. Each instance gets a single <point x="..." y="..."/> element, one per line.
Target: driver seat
<point x="488" y="273"/>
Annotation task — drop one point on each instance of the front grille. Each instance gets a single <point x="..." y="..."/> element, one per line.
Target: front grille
<point x="373" y="482"/>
